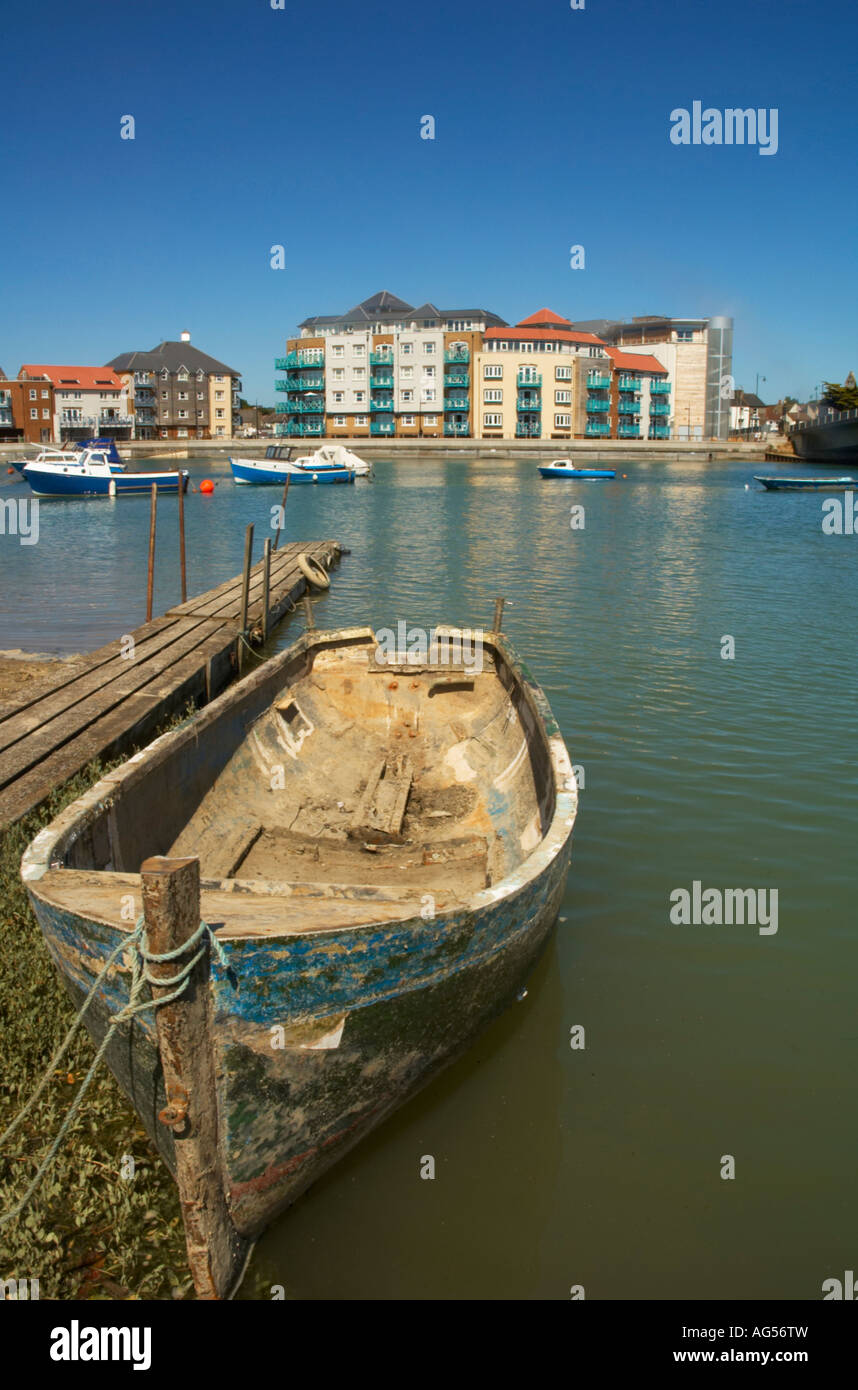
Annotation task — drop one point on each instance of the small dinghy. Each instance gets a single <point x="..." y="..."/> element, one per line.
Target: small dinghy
<point x="383" y="841"/>
<point x="565" y="468"/>
<point x="807" y="484"/>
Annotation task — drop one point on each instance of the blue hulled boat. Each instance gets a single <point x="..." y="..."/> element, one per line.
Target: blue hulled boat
<point x="565" y="468"/>
<point x="94" y="476"/>
<point x="807" y="484"/>
<point x="262" y="472"/>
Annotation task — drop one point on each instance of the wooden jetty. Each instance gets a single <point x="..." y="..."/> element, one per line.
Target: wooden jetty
<point x="117" y="696"/>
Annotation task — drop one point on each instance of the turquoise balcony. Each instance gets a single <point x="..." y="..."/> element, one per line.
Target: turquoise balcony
<point x="598" y="383"/>
<point x="659" y="407"/>
<point x="458" y="355"/>
<point x="599" y="427"/>
<point x="306" y="407"/>
<point x="629" y="432"/>
<point x="659" y="431"/>
<point x="659" y="388"/>
<point x="382" y="427"/>
<point x="381" y="358"/>
<point x="307" y="383"/>
<point x="452" y="427"/>
<point x="377" y="403"/>
<point x="457" y="403"/>
<point x="457" y="379"/>
<point x="527" y="431"/>
<point x="629" y="383"/>
<point x="629" y="407"/>
<point x="596" y="406"/>
<point x="298" y="359"/>
<point x="282" y="386"/>
<point x="529" y="403"/>
<point x="534" y="379"/>
<point x="382" y="381"/>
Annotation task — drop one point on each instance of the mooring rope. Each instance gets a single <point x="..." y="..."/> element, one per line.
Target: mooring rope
<point x="140" y="976"/>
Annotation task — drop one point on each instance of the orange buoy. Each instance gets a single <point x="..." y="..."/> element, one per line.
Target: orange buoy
<point x="10" y="470"/>
<point x="206" y="485"/>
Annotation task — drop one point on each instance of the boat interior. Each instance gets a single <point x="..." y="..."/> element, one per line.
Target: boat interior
<point x="342" y="772"/>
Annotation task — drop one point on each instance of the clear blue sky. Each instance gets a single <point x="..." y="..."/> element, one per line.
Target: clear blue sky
<point x="257" y="126"/>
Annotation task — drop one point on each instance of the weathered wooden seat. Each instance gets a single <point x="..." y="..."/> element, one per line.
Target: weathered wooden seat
<point x="221" y="848"/>
<point x="381" y="809"/>
<point x="459" y="864"/>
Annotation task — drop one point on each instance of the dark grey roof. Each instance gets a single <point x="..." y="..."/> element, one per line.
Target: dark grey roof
<point x="748" y="398"/>
<point x="492" y="320"/>
<point x="172" y="356"/>
<point x="385" y="306"/>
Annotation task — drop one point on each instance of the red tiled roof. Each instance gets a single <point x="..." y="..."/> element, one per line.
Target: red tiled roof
<point x="532" y="335"/>
<point x="635" y="361"/>
<point x="84" y="378"/>
<point x="545" y="316"/>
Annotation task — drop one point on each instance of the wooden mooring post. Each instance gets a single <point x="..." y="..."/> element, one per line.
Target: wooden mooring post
<point x="150" y="578"/>
<point x="245" y="593"/>
<point x="266" y="587"/>
<point x="182" y="569"/>
<point x="498" y="616"/>
<point x="309" y="616"/>
<point x="171" y="911"/>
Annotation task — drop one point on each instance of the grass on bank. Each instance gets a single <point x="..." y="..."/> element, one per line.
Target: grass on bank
<point x="87" y="1232"/>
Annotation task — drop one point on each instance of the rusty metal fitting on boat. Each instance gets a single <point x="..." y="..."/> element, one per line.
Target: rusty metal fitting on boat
<point x="175" y="1112"/>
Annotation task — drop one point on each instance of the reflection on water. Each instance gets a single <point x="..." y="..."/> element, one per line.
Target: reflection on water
<point x="601" y="1167"/>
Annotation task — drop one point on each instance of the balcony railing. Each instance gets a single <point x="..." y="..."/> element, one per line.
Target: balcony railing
<point x="659" y="407"/>
<point x="535" y="379"/>
<point x="297" y="359"/>
<point x="95" y="422"/>
<point x="529" y="403"/>
<point x="452" y="427"/>
<point x="381" y="382"/>
<point x="382" y="427"/>
<point x="302" y="407"/>
<point x="523" y="431"/>
<point x="629" y="408"/>
<point x="457" y="355"/>
<point x="457" y="379"/>
<point x="629" y="432"/>
<point x="304" y="383"/>
<point x="600" y="427"/>
<point x="381" y="358"/>
<point x="457" y="403"/>
<point x="598" y="383"/>
<point x="629" y="383"/>
<point x="659" y="431"/>
<point x="596" y="406"/>
<point x="377" y="403"/>
<point x="305" y="427"/>
<point x="659" y="388"/>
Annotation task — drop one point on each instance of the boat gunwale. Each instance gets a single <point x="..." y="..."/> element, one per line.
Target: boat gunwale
<point x="54" y="840"/>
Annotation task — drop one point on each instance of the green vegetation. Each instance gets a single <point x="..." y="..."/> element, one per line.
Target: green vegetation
<point x="841" y="397"/>
<point x="88" y="1232"/>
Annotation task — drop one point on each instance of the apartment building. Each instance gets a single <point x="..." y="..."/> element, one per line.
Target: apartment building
<point x="384" y="368"/>
<point x="698" y="357"/>
<point x="68" y="403"/>
<point x="26" y="409"/>
<point x="529" y="378"/>
<point x="178" y="392"/>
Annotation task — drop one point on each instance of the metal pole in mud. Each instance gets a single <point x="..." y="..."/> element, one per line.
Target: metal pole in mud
<point x="150" y="581"/>
<point x="171" y="911"/>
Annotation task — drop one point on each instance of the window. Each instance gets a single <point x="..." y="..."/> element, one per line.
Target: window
<point x="218" y="414"/>
<point x="493" y="371"/>
<point x="200" y="376"/>
<point x="164" y="374"/>
<point x="407" y="373"/>
<point x="492" y="421"/>
<point x="359" y="395"/>
<point x="358" y="349"/>
<point x="339" y="420"/>
<point x="183" y="395"/>
<point x="430" y="419"/>
<point x="183" y="415"/>
<point x="428" y="347"/>
<point x="428" y="396"/>
<point x="32" y="395"/>
<point x="408" y="395"/>
<point x="595" y="352"/>
<point x="339" y="397"/>
<point x="495" y="395"/>
<point x="181" y="434"/>
<point x="408" y="419"/>
<point x="338" y="373"/>
<point x="563" y="373"/>
<point x="200" y="396"/>
<point x="337" y="350"/>
<point x="183" y="376"/>
<point x="360" y="419"/>
<point x="684" y="335"/>
<point x="407" y="349"/>
<point x="562" y="397"/>
<point x="218" y="395"/>
<point x="359" y="372"/>
<point x="164" y="395"/>
<point x="562" y="422"/>
<point x="44" y="395"/>
<point x="46" y="414"/>
<point x="34" y="414"/>
<point x="428" y="373"/>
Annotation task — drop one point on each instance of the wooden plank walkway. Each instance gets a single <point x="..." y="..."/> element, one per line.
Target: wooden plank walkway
<point x="119" y="695"/>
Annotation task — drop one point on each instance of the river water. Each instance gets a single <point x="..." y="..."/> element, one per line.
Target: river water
<point x="599" y="1166"/>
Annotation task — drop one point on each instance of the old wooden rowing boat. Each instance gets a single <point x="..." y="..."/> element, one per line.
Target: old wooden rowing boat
<point x="383" y="845"/>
